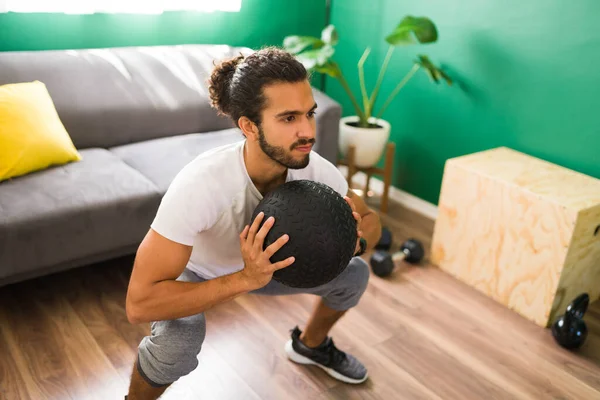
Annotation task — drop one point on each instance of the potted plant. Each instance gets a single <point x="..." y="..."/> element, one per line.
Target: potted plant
<point x="366" y="130"/>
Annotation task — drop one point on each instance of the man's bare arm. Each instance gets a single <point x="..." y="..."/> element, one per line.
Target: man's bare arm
<point x="154" y="294"/>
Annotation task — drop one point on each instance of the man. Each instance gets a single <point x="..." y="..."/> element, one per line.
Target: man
<point x="202" y="250"/>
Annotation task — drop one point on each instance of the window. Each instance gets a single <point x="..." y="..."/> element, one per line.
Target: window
<point x="118" y="6"/>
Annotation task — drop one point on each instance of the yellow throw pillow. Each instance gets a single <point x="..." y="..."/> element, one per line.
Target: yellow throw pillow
<point x="32" y="136"/>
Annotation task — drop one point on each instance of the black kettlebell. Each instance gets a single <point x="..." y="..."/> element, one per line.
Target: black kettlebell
<point x="570" y="330"/>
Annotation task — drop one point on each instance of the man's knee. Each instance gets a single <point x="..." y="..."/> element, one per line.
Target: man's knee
<point x="171" y="350"/>
<point x="349" y="286"/>
<point x="359" y="272"/>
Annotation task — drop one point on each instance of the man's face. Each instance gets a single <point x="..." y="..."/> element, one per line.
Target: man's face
<point x="288" y="127"/>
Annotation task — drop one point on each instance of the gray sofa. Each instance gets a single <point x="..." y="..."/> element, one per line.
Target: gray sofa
<point x="137" y="115"/>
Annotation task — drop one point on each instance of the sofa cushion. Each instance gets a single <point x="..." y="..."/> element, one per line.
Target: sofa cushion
<point x="68" y="212"/>
<point x="114" y="96"/>
<point x="31" y="135"/>
<point x="161" y="159"/>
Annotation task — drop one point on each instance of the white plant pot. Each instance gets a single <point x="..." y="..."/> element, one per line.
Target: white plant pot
<point x="369" y="143"/>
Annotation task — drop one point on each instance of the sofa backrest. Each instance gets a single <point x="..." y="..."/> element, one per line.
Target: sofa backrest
<point x="115" y="96"/>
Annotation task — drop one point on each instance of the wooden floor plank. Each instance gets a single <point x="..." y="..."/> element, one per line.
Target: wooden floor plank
<point x="94" y="375"/>
<point x="255" y="354"/>
<point x="435" y="367"/>
<point x="94" y="298"/>
<point x="388" y="380"/>
<point x="527" y="339"/>
<point x="437" y="324"/>
<point x="213" y="379"/>
<point x="12" y="384"/>
<point x="492" y="356"/>
<point x="37" y="353"/>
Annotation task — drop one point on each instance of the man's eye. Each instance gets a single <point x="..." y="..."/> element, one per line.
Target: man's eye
<point x="290" y="118"/>
<point x="311" y="114"/>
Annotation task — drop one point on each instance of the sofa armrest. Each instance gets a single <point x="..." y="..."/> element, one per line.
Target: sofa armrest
<point x="329" y="113"/>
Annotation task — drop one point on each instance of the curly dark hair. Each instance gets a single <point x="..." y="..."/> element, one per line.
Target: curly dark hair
<point x="236" y="84"/>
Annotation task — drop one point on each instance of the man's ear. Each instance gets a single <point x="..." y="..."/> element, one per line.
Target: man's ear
<point x="249" y="128"/>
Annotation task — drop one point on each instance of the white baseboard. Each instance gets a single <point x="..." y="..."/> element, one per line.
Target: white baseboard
<point x="400" y="196"/>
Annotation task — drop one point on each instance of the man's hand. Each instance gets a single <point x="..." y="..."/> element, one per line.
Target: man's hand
<point x="258" y="269"/>
<point x="358" y="219"/>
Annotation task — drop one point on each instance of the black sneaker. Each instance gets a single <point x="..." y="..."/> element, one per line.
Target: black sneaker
<point x="340" y="365"/>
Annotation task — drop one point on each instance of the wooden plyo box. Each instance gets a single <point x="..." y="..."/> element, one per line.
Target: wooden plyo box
<point x="521" y="230"/>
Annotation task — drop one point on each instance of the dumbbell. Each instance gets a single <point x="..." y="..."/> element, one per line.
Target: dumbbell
<point x="382" y="262"/>
<point x="385" y="241"/>
<point x="570" y="330"/>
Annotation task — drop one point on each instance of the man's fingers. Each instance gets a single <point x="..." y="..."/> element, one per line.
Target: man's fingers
<point x="262" y="233"/>
<point x="254" y="227"/>
<point x="276" y="245"/>
<point x="284" y="263"/>
<point x="244" y="234"/>
<point x="355" y="214"/>
<point x="350" y="203"/>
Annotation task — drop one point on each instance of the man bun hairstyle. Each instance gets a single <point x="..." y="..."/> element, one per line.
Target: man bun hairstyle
<point x="236" y="84"/>
<point x="219" y="84"/>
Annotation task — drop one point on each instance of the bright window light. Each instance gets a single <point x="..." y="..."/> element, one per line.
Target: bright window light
<point x="118" y="6"/>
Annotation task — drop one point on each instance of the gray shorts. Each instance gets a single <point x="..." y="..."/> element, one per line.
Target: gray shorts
<point x="171" y="350"/>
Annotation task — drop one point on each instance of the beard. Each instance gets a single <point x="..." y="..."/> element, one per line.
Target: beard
<point x="282" y="156"/>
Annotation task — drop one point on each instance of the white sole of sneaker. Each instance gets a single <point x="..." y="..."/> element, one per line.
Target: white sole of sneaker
<point x="300" y="359"/>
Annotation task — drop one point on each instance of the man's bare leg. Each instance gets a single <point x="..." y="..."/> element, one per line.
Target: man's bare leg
<point x="140" y="389"/>
<point x="319" y="324"/>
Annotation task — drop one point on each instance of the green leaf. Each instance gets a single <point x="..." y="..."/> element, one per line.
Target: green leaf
<point x="330" y="69"/>
<point x="412" y="30"/>
<point x="317" y="57"/>
<point x="329" y="35"/>
<point x="295" y="44"/>
<point x="434" y="72"/>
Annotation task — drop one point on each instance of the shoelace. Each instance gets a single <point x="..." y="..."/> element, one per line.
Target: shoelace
<point x="337" y="356"/>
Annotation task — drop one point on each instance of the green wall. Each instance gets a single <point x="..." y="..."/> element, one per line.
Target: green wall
<point x="260" y="22"/>
<point x="525" y="71"/>
<point x="526" y="75"/>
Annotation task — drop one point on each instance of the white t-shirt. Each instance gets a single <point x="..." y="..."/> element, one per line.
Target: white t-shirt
<point x="211" y="200"/>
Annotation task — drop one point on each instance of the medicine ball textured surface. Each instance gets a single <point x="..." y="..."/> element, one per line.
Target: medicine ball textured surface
<point x="321" y="228"/>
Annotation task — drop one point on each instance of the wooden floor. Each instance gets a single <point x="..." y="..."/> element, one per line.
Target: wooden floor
<point x="422" y="335"/>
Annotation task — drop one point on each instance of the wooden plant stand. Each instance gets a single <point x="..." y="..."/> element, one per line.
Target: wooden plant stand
<point x="386" y="171"/>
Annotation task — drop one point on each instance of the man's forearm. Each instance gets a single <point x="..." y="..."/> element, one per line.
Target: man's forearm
<point x="172" y="299"/>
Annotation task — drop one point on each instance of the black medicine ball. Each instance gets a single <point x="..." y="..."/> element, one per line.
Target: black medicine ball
<point x="321" y="228"/>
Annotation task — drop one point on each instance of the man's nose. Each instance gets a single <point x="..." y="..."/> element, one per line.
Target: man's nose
<point x="307" y="130"/>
